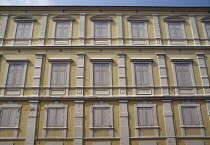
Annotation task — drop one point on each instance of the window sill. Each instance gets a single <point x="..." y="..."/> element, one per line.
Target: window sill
<point x="55" y="128"/>
<point x="101" y="127"/>
<point x="147" y="127"/>
<point x="192" y="126"/>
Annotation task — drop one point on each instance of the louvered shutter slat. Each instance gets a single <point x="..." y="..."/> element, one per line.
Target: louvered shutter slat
<point x="194" y="116"/>
<point x="62" y="72"/>
<point x="60" y="117"/>
<point x="19" y="30"/>
<point x="96" y="70"/>
<point x="138" y="72"/>
<point x="5" y="117"/>
<point x="26" y="30"/>
<point x="97" y="29"/>
<point x="18" y="75"/>
<point x="66" y="29"/>
<point x="58" y="29"/>
<point x="11" y="75"/>
<point x="149" y="116"/>
<point x="97" y="117"/>
<point x="105" y="117"/>
<point x="145" y="68"/>
<point x="54" y="77"/>
<point x="142" y="117"/>
<point x="141" y="30"/>
<point x="187" y="76"/>
<point x="51" y="117"/>
<point x="135" y="30"/>
<point x="172" y="30"/>
<point x="179" y="34"/>
<point x="13" y="116"/>
<point x="179" y="74"/>
<point x="186" y="115"/>
<point x="104" y="75"/>
<point x="104" y="29"/>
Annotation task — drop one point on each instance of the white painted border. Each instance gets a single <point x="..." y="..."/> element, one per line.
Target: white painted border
<point x="183" y="127"/>
<point x="155" y="127"/>
<point x="92" y="128"/>
<point x="56" y="104"/>
<point x="150" y="76"/>
<point x="10" y="104"/>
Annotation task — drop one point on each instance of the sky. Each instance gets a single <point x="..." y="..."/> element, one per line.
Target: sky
<point x="107" y="2"/>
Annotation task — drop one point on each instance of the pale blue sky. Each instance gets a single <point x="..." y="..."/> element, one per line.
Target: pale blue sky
<point x="108" y="2"/>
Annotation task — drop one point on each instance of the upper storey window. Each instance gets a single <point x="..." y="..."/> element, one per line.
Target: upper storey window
<point x="101" y="29"/>
<point x="206" y="27"/>
<point x="63" y="29"/>
<point x="175" y="30"/>
<point x="138" y="30"/>
<point x="24" y="29"/>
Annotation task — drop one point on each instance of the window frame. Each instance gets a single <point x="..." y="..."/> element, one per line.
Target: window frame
<point x="205" y="20"/>
<point x="101" y="41"/>
<point x="55" y="105"/>
<point x="145" y="89"/>
<point x="63" y="18"/>
<point x="182" y="126"/>
<point x="155" y="118"/>
<point x="15" y="90"/>
<point x="92" y="128"/>
<point x="138" y="19"/>
<point x="19" y="20"/>
<point x="10" y="104"/>
<point x="99" y="90"/>
<point x="64" y="90"/>
<point x="176" y="19"/>
<point x="178" y="88"/>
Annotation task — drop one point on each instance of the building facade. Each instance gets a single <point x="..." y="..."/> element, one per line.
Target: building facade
<point x="85" y="75"/>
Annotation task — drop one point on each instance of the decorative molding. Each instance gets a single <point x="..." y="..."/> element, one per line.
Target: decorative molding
<point x="182" y="60"/>
<point x="101" y="18"/>
<point x="63" y="18"/>
<point x="137" y="18"/>
<point x="122" y="74"/>
<point x="141" y="59"/>
<point x="101" y="60"/>
<point x="60" y="60"/>
<point x="43" y="29"/>
<point x="25" y="18"/>
<point x="17" y="60"/>
<point x="194" y="30"/>
<point x="174" y="19"/>
<point x="205" y="19"/>
<point x="80" y="73"/>
<point x="157" y="29"/>
<point x="120" y="29"/>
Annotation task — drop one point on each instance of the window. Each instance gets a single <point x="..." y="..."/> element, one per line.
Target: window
<point x="10" y="116"/>
<point x="101" y="75"/>
<point x="175" y="30"/>
<point x="190" y="116"/>
<point x="24" y="29"/>
<point x="146" y="117"/>
<point x="59" y="76"/>
<point x="138" y="30"/>
<point x="16" y="74"/>
<point x="183" y="74"/>
<point x="206" y="27"/>
<point x="194" y="142"/>
<point x="101" y="29"/>
<point x="101" y="118"/>
<point x="63" y="29"/>
<point x="142" y="75"/>
<point x="55" y="118"/>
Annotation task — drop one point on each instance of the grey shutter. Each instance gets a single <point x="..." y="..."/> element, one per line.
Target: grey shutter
<point x="194" y="116"/>
<point x="149" y="116"/>
<point x="96" y="75"/>
<point x="97" y="117"/>
<point x="142" y="75"/>
<point x="65" y="29"/>
<point x="59" y="75"/>
<point x="135" y="30"/>
<point x="8" y="117"/>
<point x="19" y="31"/>
<point x="172" y="30"/>
<point x="207" y="24"/>
<point x="104" y="29"/>
<point x="51" y="116"/>
<point x="26" y="30"/>
<point x="141" y="116"/>
<point x="60" y="117"/>
<point x="54" y="76"/>
<point x="58" y="31"/>
<point x="97" y="26"/>
<point x="145" y="74"/>
<point x="104" y="75"/>
<point x="141" y="30"/>
<point x="183" y="74"/>
<point x="179" y="33"/>
<point x="15" y="75"/>
<point x="186" y="115"/>
<point x="13" y="117"/>
<point x="105" y="117"/>
<point x="187" y="74"/>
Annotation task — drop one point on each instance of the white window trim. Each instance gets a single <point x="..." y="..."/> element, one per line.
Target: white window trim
<point x="56" y="104"/>
<point x="155" y="127"/>
<point x="142" y="61"/>
<point x="20" y="90"/>
<point x="22" y="19"/>
<point x="62" y="91"/>
<point x="183" y="61"/>
<point x="178" y="20"/>
<point x="100" y="61"/>
<point x="10" y="104"/>
<point x="183" y="127"/>
<point x="92" y="128"/>
<point x="138" y="41"/>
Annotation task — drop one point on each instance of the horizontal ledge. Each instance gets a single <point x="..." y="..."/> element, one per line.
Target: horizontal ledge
<point x="101" y="127"/>
<point x="63" y="128"/>
<point x="11" y="139"/>
<point x="54" y="138"/>
<point x="102" y="138"/>
<point x="14" y="128"/>
<point x="182" y="60"/>
<point x="59" y="59"/>
<point x="141" y="60"/>
<point x="101" y="59"/>
<point x="192" y="126"/>
<point x="17" y="60"/>
<point x="147" y="127"/>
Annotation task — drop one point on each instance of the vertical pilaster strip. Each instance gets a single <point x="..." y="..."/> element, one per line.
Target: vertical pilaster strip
<point x="120" y="29"/>
<point x="122" y="75"/>
<point x="43" y="29"/>
<point x="37" y="74"/>
<point x="194" y="29"/>
<point x="78" y="128"/>
<point x="80" y="73"/>
<point x="3" y="28"/>
<point x="163" y="74"/>
<point x="124" y="128"/>
<point x="31" y="126"/>
<point x="168" y="117"/>
<point x="203" y="73"/>
<point x="82" y="29"/>
<point x="157" y="29"/>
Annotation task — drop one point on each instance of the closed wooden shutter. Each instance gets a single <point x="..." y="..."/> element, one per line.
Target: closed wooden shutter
<point x="135" y="30"/>
<point x="138" y="30"/>
<point x="101" y="29"/>
<point x="175" y="30"/>
<point x="141" y="30"/>
<point x="55" y="117"/>
<point x="97" y="29"/>
<point x="59" y="75"/>
<point x="105" y="117"/>
<point x="207" y="24"/>
<point x="97" y="120"/>
<point x="190" y="116"/>
<point x="142" y="74"/>
<point x="183" y="74"/>
<point x="101" y="117"/>
<point x="101" y="74"/>
<point x="8" y="117"/>
<point x="145" y="116"/>
<point x="23" y="30"/>
<point x="62" y="29"/>
<point x="15" y="75"/>
<point x="60" y="117"/>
